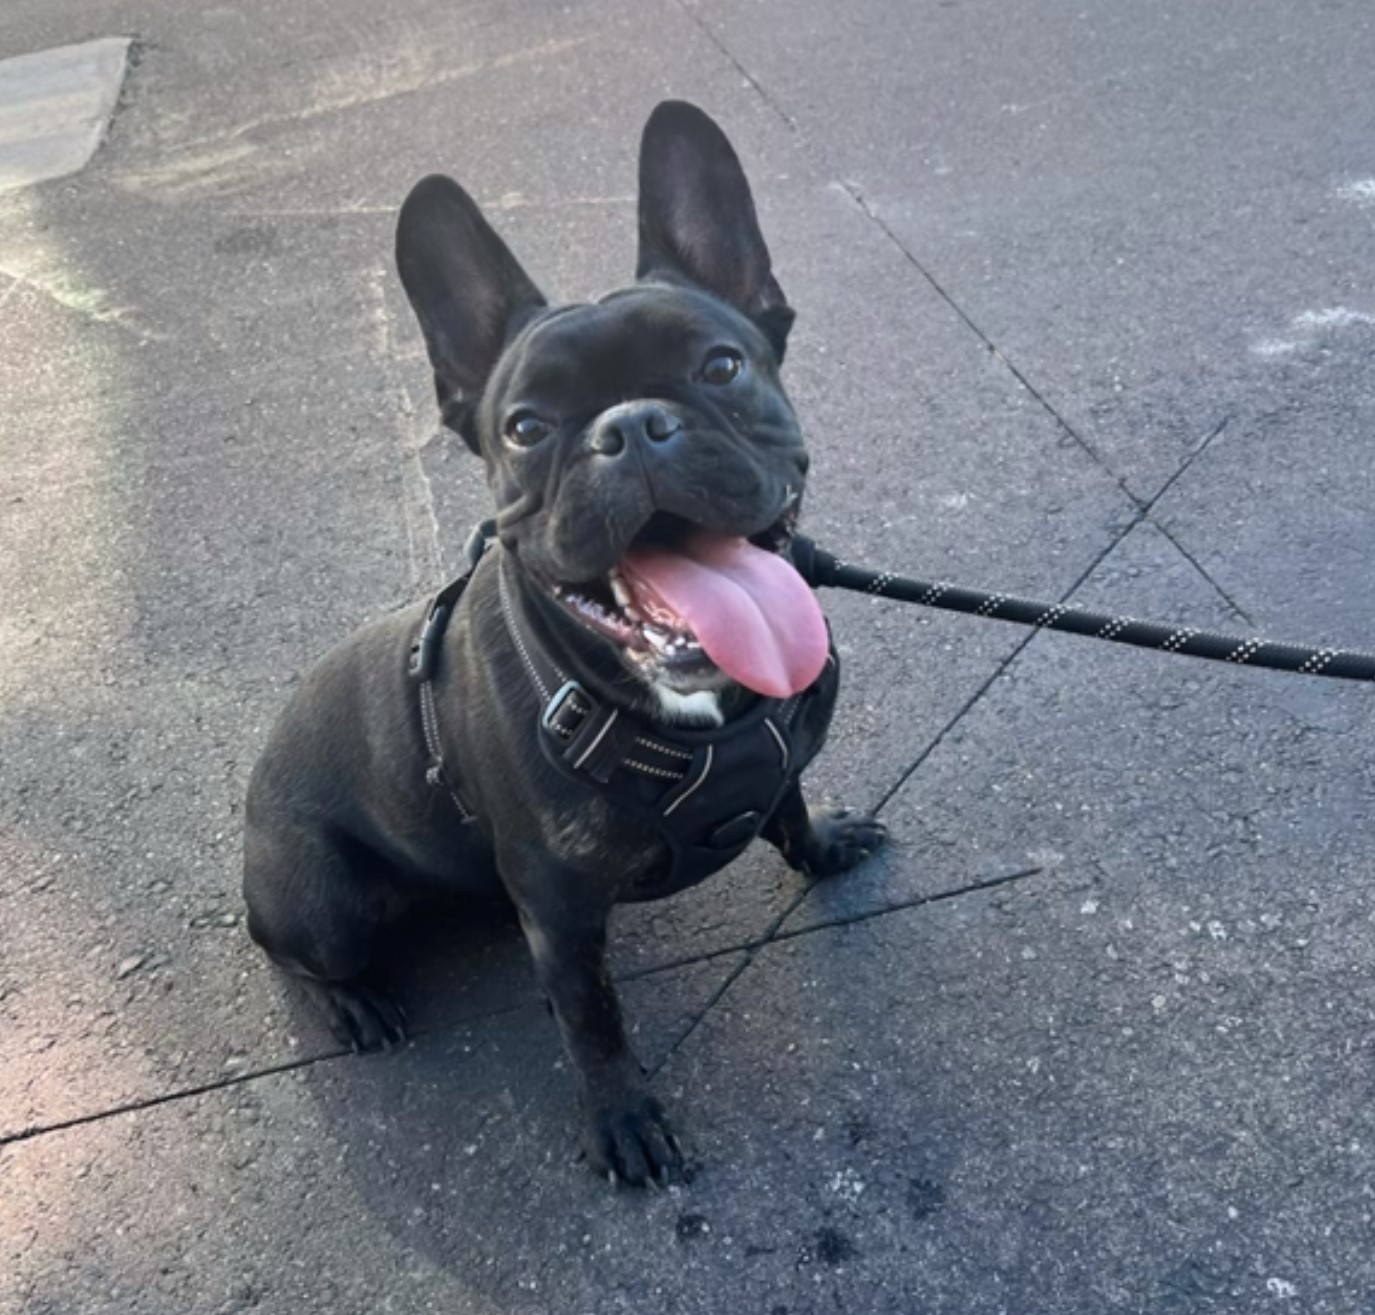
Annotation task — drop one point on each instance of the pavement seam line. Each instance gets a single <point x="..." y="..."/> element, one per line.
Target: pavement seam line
<point x="1235" y="607"/>
<point x="748" y="947"/>
<point x="418" y="514"/>
<point x="968" y="705"/>
<point x="1081" y="440"/>
<point x="165" y="1098"/>
<point x="729" y="55"/>
<point x="777" y="936"/>
<point x="916" y="902"/>
<point x="1142" y="516"/>
<point x="750" y="954"/>
<point x="238" y="1079"/>
<point x="1193" y="455"/>
<point x="858" y="199"/>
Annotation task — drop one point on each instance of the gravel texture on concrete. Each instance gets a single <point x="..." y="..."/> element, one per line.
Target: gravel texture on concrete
<point x="1084" y="313"/>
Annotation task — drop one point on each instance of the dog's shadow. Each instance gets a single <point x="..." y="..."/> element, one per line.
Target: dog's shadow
<point x="452" y="962"/>
<point x="462" y="1144"/>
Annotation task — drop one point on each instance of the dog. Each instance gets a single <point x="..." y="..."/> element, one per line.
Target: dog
<point x="624" y="689"/>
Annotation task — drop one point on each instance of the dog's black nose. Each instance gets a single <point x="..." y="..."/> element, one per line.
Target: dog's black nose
<point x="630" y="423"/>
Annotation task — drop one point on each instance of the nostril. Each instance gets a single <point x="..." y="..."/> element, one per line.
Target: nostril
<point x="608" y="440"/>
<point x="659" y="425"/>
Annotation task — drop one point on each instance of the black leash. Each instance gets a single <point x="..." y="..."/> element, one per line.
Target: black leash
<point x="823" y="571"/>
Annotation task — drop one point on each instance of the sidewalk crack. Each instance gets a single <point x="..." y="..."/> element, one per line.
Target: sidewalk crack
<point x="776" y="935"/>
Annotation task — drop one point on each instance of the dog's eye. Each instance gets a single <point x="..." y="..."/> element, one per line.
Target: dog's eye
<point x="722" y="367"/>
<point x="525" y="428"/>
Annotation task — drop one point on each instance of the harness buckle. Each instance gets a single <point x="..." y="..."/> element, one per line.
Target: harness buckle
<point x="571" y="699"/>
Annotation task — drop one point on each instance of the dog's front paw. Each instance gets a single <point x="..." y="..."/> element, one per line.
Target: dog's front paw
<point x="838" y="839"/>
<point x="360" y="1016"/>
<point x="628" y="1140"/>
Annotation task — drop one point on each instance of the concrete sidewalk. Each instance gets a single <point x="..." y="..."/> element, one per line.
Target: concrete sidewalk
<point x="1086" y="311"/>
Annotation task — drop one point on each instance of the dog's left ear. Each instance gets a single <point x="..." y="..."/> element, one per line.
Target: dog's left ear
<point x="697" y="219"/>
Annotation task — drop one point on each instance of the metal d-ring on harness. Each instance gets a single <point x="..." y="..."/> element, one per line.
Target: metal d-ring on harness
<point x="823" y="571"/>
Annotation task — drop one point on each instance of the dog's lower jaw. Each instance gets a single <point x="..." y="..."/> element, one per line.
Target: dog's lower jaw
<point x="700" y="708"/>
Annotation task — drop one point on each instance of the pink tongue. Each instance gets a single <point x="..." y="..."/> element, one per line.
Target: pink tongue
<point x="750" y="611"/>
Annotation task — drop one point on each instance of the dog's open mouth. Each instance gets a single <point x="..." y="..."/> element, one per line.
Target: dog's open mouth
<point x="688" y="604"/>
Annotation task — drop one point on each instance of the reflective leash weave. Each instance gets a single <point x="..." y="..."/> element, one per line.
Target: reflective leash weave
<point x="822" y="570"/>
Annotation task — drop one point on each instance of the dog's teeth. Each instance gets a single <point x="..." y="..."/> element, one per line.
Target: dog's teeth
<point x="620" y="591"/>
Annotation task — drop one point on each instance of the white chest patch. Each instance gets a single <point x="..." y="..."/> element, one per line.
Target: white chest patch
<point x="700" y="708"/>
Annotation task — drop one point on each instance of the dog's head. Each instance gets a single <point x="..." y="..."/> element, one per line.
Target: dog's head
<point x="646" y="464"/>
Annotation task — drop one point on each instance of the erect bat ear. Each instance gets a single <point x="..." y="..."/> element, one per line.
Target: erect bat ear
<point x="468" y="291"/>
<point x="697" y="219"/>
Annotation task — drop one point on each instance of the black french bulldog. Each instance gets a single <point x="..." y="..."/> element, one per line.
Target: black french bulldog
<point x="625" y="690"/>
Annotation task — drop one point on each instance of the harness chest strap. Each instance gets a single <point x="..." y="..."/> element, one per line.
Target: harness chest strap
<point x="707" y="792"/>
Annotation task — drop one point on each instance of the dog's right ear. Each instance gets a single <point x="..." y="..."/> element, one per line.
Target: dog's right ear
<point x="467" y="289"/>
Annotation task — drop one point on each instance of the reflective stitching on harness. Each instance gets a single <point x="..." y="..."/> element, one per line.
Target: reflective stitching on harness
<point x="428" y="723"/>
<point x="697" y="784"/>
<point x="601" y="735"/>
<point x="515" y="634"/>
<point x="782" y="743"/>
<point x="663" y="748"/>
<point x="435" y="774"/>
<point x="662" y="772"/>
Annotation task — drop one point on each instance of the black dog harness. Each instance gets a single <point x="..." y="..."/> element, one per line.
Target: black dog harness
<point x="707" y="792"/>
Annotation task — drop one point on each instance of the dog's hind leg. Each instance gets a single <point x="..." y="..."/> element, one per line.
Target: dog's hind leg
<point x="316" y="909"/>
